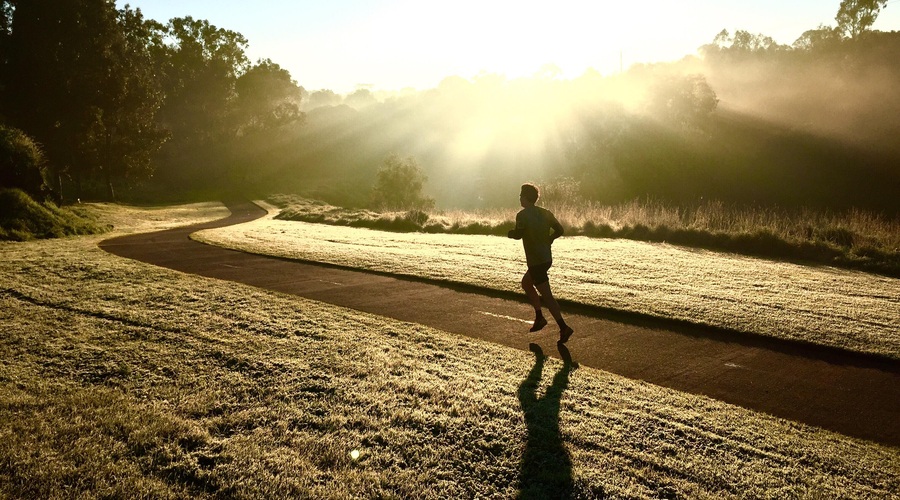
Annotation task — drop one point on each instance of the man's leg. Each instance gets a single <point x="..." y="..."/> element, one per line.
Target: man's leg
<point x="535" y="299"/>
<point x="564" y="330"/>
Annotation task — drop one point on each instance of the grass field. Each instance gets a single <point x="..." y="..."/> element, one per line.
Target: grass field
<point x="818" y="305"/>
<point x="120" y="379"/>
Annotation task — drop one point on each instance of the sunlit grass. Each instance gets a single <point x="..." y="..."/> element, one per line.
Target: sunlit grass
<point x="853" y="239"/>
<point x="121" y="379"/>
<point x="132" y="219"/>
<point x="818" y="305"/>
<point x="847" y="237"/>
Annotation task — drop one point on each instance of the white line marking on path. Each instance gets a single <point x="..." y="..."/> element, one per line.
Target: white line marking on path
<point x="331" y="282"/>
<point x="735" y="365"/>
<point x="501" y="316"/>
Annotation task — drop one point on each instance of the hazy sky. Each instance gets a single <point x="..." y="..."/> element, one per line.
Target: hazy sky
<point x="392" y="44"/>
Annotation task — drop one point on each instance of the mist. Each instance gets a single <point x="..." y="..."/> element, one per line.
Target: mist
<point x="788" y="127"/>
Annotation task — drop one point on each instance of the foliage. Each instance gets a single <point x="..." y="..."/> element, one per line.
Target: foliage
<point x="741" y="43"/>
<point x="115" y="98"/>
<point x="267" y="97"/>
<point x="21" y="163"/>
<point x="6" y="16"/>
<point x="324" y="97"/>
<point x="685" y="101"/>
<point x="399" y="185"/>
<point x="132" y="133"/>
<point x="80" y="82"/>
<point x="21" y="219"/>
<point x="58" y="56"/>
<point x="202" y="65"/>
<point x="820" y="39"/>
<point x="856" y="16"/>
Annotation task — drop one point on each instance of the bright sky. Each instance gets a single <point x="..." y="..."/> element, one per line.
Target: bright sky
<point x="394" y="44"/>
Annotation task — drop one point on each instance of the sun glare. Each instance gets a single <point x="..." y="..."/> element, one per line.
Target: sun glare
<point x="514" y="39"/>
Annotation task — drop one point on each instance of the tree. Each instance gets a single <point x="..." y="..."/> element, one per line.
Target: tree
<point x="823" y="37"/>
<point x="854" y="17"/>
<point x="6" y="16"/>
<point x="58" y="78"/>
<point x="399" y="185"/>
<point x="741" y="44"/>
<point x="82" y="80"/>
<point x="21" y="163"/>
<point x="685" y="101"/>
<point x="360" y="98"/>
<point x="128" y="133"/>
<point x="324" y="97"/>
<point x="202" y="66"/>
<point x="267" y="97"/>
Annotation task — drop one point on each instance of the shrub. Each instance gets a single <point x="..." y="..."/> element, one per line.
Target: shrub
<point x="839" y="236"/>
<point x="417" y="217"/>
<point x="22" y="218"/>
<point x="399" y="185"/>
<point x="21" y="163"/>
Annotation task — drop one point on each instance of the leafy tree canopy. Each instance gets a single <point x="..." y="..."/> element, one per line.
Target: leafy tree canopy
<point x="856" y="16"/>
<point x="399" y="185"/>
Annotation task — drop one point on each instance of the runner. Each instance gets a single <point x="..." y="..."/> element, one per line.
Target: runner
<point x="533" y="227"/>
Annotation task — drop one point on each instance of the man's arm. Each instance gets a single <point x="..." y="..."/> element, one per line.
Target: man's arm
<point x="516" y="233"/>
<point x="557" y="229"/>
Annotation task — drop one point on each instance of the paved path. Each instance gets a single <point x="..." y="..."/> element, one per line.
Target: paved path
<point x="856" y="395"/>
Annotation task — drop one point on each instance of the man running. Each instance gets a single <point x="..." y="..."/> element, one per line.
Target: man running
<point x="533" y="225"/>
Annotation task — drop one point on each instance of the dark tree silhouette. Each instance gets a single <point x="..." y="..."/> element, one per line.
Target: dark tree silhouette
<point x="55" y="71"/>
<point x="21" y="163"/>
<point x="78" y="80"/>
<point x="202" y="66"/>
<point x="267" y="97"/>
<point x="854" y="17"/>
<point x="821" y="38"/>
<point x="6" y="15"/>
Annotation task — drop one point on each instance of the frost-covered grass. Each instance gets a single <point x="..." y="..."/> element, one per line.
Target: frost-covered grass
<point x="853" y="239"/>
<point x="819" y="305"/>
<point x="121" y="379"/>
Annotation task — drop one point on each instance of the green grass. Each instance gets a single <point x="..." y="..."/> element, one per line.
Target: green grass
<point x="818" y="305"/>
<point x="854" y="239"/>
<point x="120" y="379"/>
<point x="22" y="219"/>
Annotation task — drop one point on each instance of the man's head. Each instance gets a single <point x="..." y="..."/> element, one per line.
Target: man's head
<point x="529" y="194"/>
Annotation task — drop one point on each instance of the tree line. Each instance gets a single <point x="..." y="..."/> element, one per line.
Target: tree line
<point x="748" y="120"/>
<point x="93" y="95"/>
<point x="93" y="98"/>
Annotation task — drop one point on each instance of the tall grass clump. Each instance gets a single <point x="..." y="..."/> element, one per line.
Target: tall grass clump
<point x="455" y="222"/>
<point x="854" y="238"/>
<point x="22" y="219"/>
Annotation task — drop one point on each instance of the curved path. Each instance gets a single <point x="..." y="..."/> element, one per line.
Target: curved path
<point x="852" y="394"/>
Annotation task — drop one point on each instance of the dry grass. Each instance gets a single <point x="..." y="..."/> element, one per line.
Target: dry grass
<point x="827" y="306"/>
<point x="854" y="239"/>
<point x="120" y="379"/>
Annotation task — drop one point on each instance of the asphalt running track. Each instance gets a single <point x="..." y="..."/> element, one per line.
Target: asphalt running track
<point x="853" y="394"/>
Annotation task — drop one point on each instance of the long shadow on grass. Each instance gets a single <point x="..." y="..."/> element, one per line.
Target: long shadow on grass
<point x="546" y="470"/>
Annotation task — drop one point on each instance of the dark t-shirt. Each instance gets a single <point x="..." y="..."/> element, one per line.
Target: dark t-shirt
<point x="534" y="225"/>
